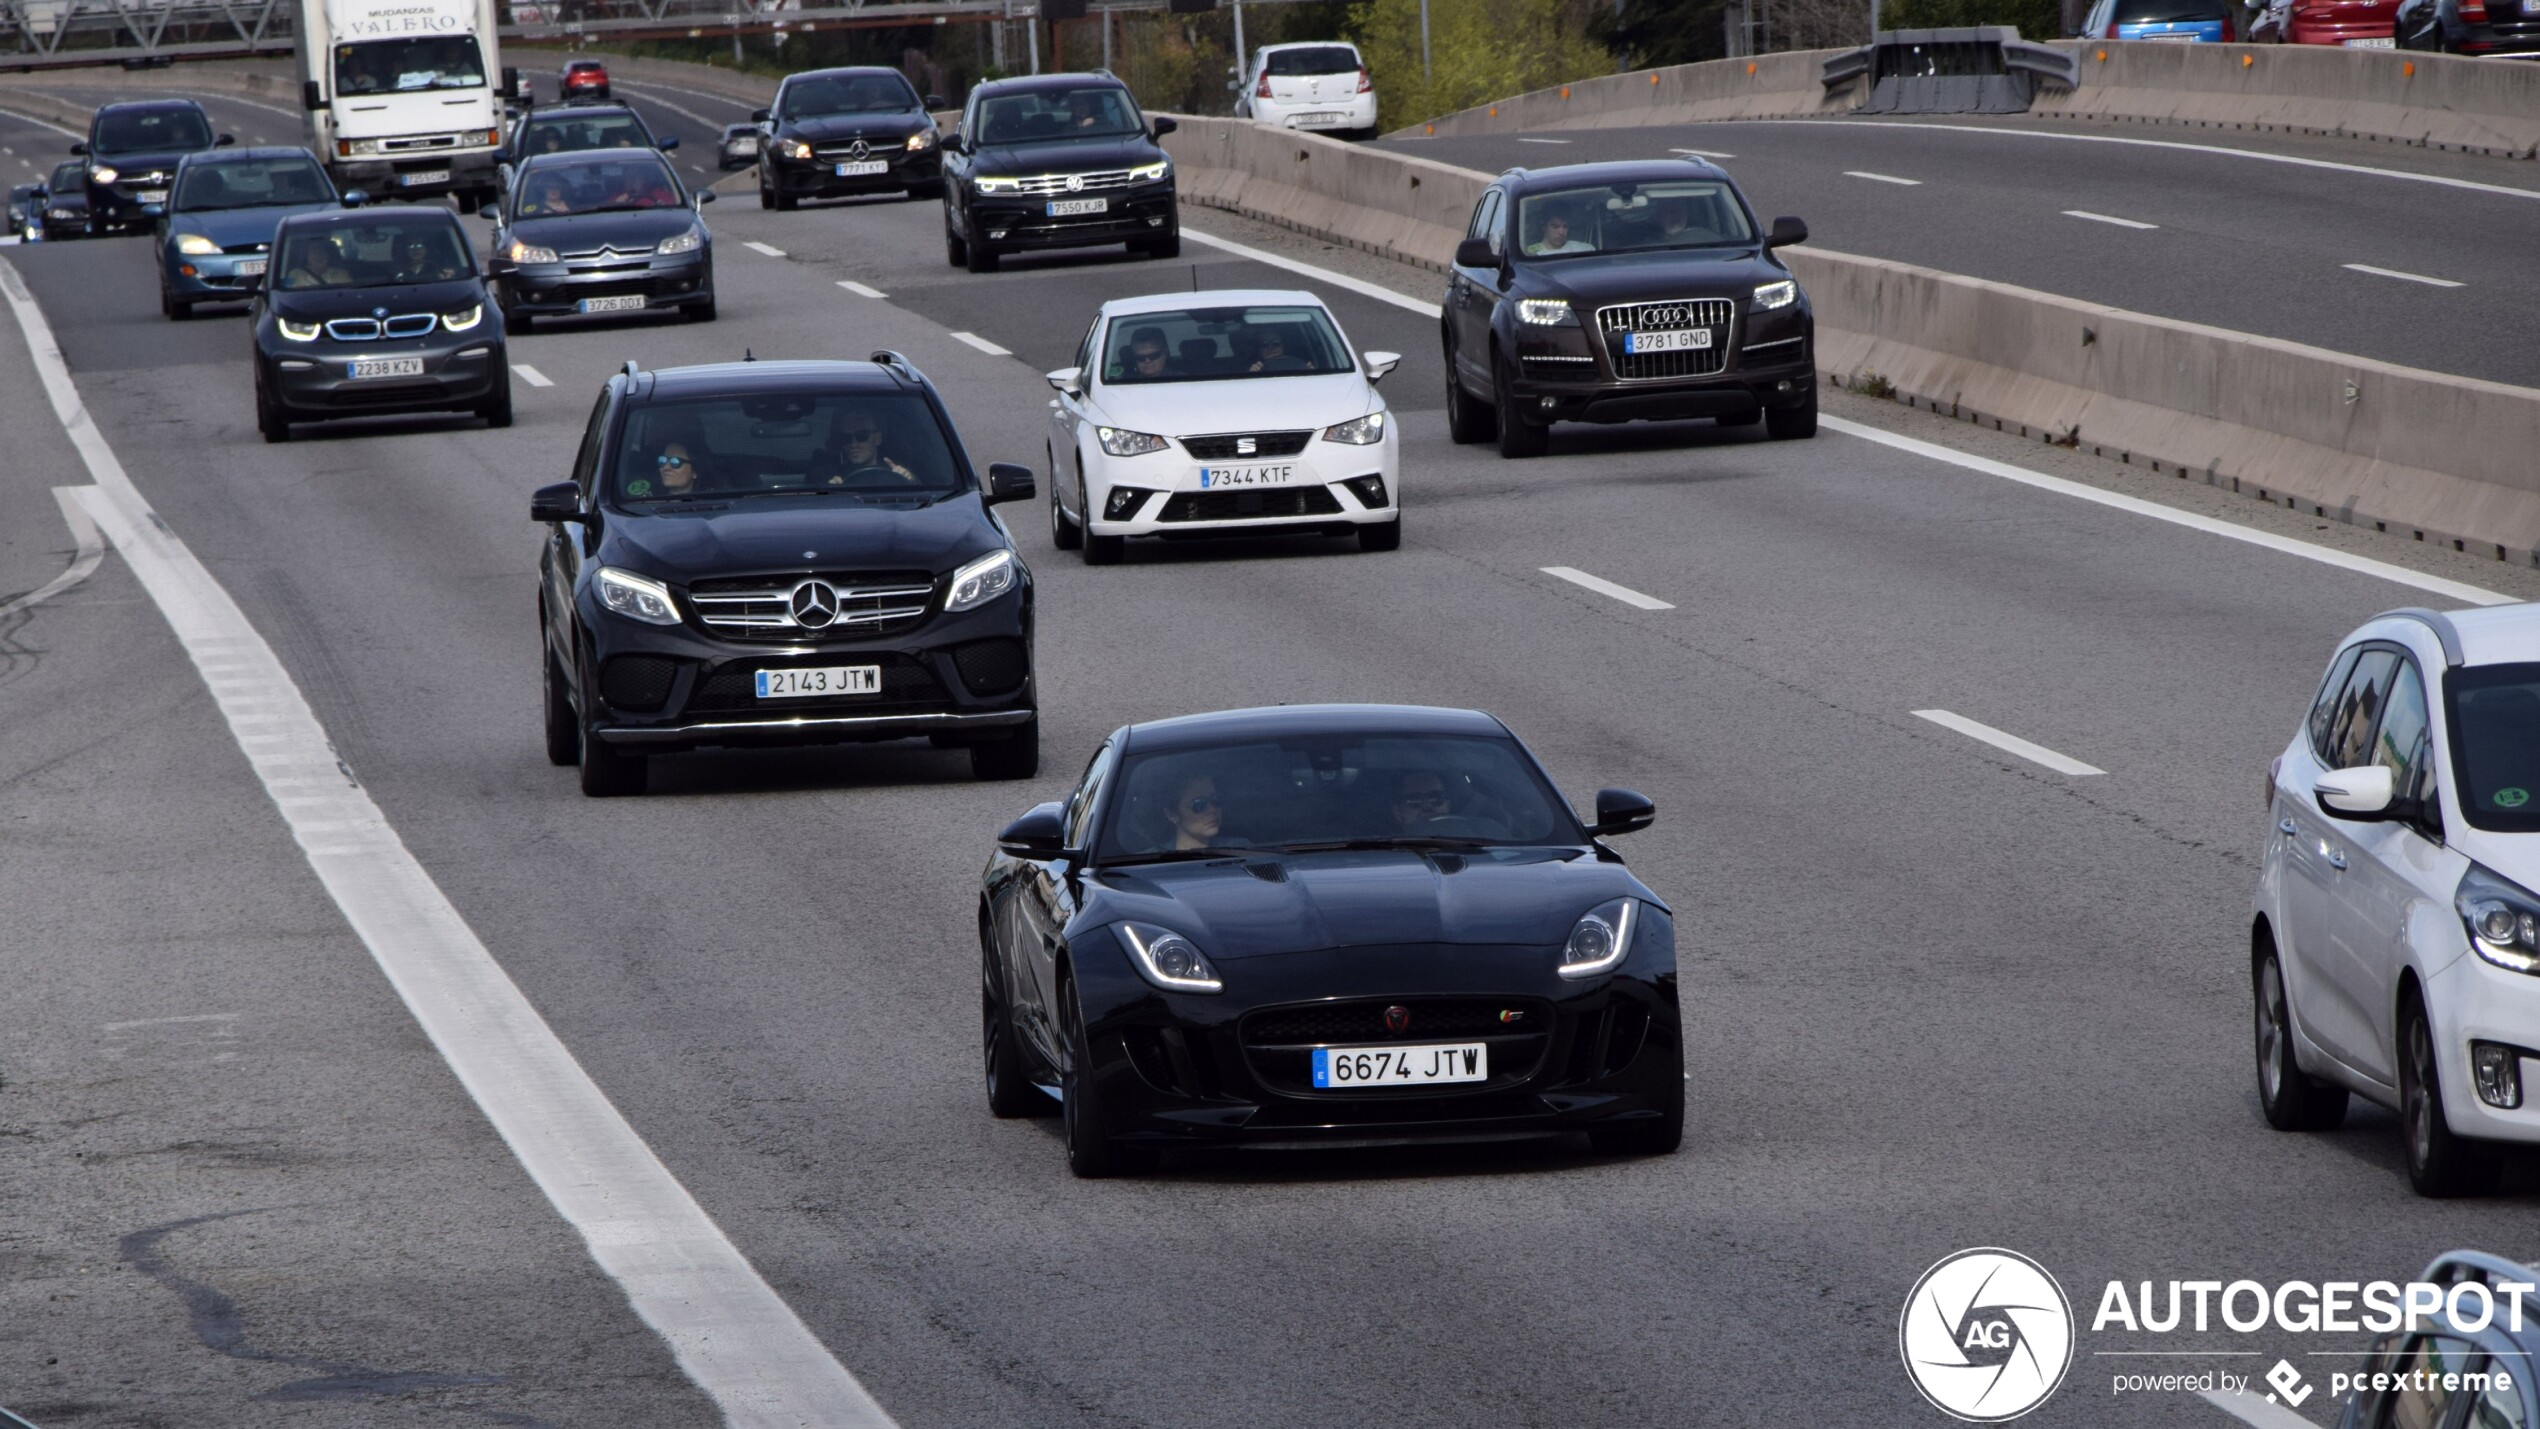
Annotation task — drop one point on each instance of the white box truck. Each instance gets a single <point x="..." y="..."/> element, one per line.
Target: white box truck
<point x="401" y="95"/>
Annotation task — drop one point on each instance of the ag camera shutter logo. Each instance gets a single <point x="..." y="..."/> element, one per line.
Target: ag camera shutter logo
<point x="1987" y="1335"/>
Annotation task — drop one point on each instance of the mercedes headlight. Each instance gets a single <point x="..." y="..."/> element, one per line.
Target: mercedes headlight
<point x="297" y="332"/>
<point x="1149" y="173"/>
<point x="999" y="186"/>
<point x="1123" y="443"/>
<point x="195" y="245"/>
<point x="2503" y="919"/>
<point x="794" y="149"/>
<point x="688" y="242"/>
<point x="1169" y="960"/>
<point x="1601" y="939"/>
<point x="983" y="580"/>
<point x="637" y="597"/>
<point x="1358" y="431"/>
<point x="921" y="141"/>
<point x="520" y="252"/>
<point x="1546" y="312"/>
<point x="465" y="318"/>
<point x="102" y="175"/>
<point x="1776" y="295"/>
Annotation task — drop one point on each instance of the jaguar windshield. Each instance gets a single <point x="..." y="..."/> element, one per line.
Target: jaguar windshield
<point x="1221" y="344"/>
<point x="878" y="449"/>
<point x="1624" y="217"/>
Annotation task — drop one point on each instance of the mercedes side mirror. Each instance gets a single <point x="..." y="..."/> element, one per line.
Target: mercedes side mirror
<point x="1165" y="124"/>
<point x="312" y="94"/>
<point x="1039" y="834"/>
<point x="560" y="502"/>
<point x="758" y="116"/>
<point x="1070" y="380"/>
<point x="1620" y="811"/>
<point x="79" y="150"/>
<point x="1380" y="363"/>
<point x="666" y="143"/>
<point x="1010" y="481"/>
<point x="1786" y="231"/>
<point x="2364" y="794"/>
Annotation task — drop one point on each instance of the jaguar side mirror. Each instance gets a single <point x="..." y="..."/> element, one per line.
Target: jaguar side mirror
<point x="1380" y="363"/>
<point x="666" y="143"/>
<point x="1620" y="811"/>
<point x="1475" y="253"/>
<point x="560" y="502"/>
<point x="1041" y="833"/>
<point x="2364" y="794"/>
<point x="1010" y="481"/>
<point x="1786" y="231"/>
<point x="1070" y="380"/>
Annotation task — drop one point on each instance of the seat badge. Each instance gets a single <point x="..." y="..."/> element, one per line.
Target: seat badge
<point x="1246" y="446"/>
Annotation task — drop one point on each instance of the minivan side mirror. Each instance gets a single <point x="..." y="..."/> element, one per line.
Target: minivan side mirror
<point x="2364" y="794"/>
<point x="1010" y="481"/>
<point x="1165" y="124"/>
<point x="1786" y="231"/>
<point x="560" y="502"/>
<point x="1475" y="253"/>
<point x="1620" y="811"/>
<point x="1040" y="833"/>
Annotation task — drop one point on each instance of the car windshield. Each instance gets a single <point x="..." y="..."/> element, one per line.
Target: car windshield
<point x="1623" y="217"/>
<point x="1315" y="59"/>
<point x="1223" y="344"/>
<point x="880" y="449"/>
<point x="134" y="131"/>
<point x="251" y="183"/>
<point x="425" y="62"/>
<point x="1094" y="112"/>
<point x="569" y="133"/>
<point x="378" y="253"/>
<point x="638" y="180"/>
<point x="2495" y="718"/>
<point x="1335" y="791"/>
<point x="68" y="176"/>
<point x="848" y="94"/>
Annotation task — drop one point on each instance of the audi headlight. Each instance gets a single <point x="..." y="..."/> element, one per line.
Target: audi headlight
<point x="1169" y="960"/>
<point x="1546" y="312"/>
<point x="688" y="242"/>
<point x="1776" y="295"/>
<point x="297" y="332"/>
<point x="920" y="141"/>
<point x="1149" y="173"/>
<point x="1120" y="443"/>
<point x="195" y="245"/>
<point x="2503" y="919"/>
<point x="1601" y="939"/>
<point x="792" y="149"/>
<point x="983" y="580"/>
<point x="103" y="175"/>
<point x="1000" y="186"/>
<point x="465" y="318"/>
<point x="520" y="252"/>
<point x="1358" y="431"/>
<point x="637" y="597"/>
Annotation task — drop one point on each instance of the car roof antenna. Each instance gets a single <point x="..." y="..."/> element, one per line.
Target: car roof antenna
<point x="748" y="356"/>
<point x="1194" y="277"/>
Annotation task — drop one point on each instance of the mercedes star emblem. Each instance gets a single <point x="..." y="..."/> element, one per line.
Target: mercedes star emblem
<point x="814" y="605"/>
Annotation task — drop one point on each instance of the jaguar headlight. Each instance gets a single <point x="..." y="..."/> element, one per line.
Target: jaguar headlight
<point x="2503" y="919"/>
<point x="103" y="175"/>
<point x="983" y="580"/>
<point x="1600" y="940"/>
<point x="1000" y="186"/>
<point x="520" y="252"/>
<point x="637" y="597"/>
<point x="794" y="149"/>
<point x="1169" y="960"/>
<point x="921" y="141"/>
<point x="195" y="245"/>
<point x="1358" y="431"/>
<point x="465" y="318"/>
<point x="1776" y="295"/>
<point x="1546" y="312"/>
<point x="688" y="242"/>
<point x="1125" y="443"/>
<point x="296" y="332"/>
<point x="1149" y="173"/>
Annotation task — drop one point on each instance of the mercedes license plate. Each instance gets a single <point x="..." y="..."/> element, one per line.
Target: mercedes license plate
<point x="1067" y="207"/>
<point x="1213" y="477"/>
<point x="251" y="267"/>
<point x="630" y="303"/>
<point x="1688" y="339"/>
<point x="421" y="177"/>
<point x="864" y="166"/>
<point x="825" y="680"/>
<point x="2385" y="42"/>
<point x="1336" y="1067"/>
<point x="384" y="367"/>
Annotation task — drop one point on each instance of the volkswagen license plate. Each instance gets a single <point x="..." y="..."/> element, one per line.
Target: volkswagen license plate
<point x="421" y="177"/>
<point x="632" y="302"/>
<point x="251" y="267"/>
<point x="1213" y="477"/>
<point x="1336" y="1067"/>
<point x="385" y="367"/>
<point x="864" y="166"/>
<point x="1688" y="339"/>
<point x="826" y="680"/>
<point x="1068" y="207"/>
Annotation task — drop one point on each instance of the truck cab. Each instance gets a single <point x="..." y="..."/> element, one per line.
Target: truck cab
<point x="401" y="95"/>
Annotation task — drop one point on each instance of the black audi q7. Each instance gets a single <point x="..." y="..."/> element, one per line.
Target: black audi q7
<point x="1635" y="291"/>
<point x="838" y="133"/>
<point x="1056" y="161"/>
<point x="132" y="150"/>
<point x="781" y="553"/>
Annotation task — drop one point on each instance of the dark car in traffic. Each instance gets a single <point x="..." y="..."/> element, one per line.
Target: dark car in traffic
<point x="26" y="211"/>
<point x="65" y="210"/>
<point x="1326" y="925"/>
<point x="574" y="127"/>
<point x="374" y="311"/>
<point x="223" y="207"/>
<point x="841" y="133"/>
<point x="610" y="231"/>
<point x="1620" y="292"/>
<point x="781" y="553"/>
<point x="2468" y="27"/>
<point x="132" y="149"/>
<point x="1057" y="161"/>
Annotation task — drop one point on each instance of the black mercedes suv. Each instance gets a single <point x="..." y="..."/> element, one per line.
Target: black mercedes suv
<point x="781" y="553"/>
<point x="132" y="151"/>
<point x="838" y="133"/>
<point x="1634" y="291"/>
<point x="1056" y="161"/>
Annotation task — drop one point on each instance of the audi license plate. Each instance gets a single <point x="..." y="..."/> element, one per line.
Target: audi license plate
<point x="826" y="680"/>
<point x="1069" y="207"/>
<point x="251" y="268"/>
<point x="1213" y="477"/>
<point x="385" y="367"/>
<point x="864" y="166"/>
<point x="1690" y="339"/>
<point x="632" y="302"/>
<point x="1336" y="1067"/>
<point x="420" y="177"/>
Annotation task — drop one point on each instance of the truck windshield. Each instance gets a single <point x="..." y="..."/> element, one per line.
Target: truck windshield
<point x="424" y="62"/>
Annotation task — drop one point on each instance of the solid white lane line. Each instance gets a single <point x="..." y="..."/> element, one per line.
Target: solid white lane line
<point x="88" y="548"/>
<point x="2009" y="743"/>
<point x="293" y="115"/>
<point x="43" y="124"/>
<point x="770" y="251"/>
<point x="741" y="1343"/>
<point x="1703" y="153"/>
<point x="532" y="375"/>
<point x="1524" y="140"/>
<point x="641" y="85"/>
<point x="860" y="290"/>
<point x="2397" y="575"/>
<point x="981" y="343"/>
<point x="2402" y="277"/>
<point x="1343" y="281"/>
<point x="1882" y="178"/>
<point x="1602" y="586"/>
<point x="2108" y="218"/>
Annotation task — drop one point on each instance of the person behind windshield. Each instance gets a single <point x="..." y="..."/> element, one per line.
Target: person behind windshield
<point x="419" y="262"/>
<point x="546" y="195"/>
<point x="642" y="187"/>
<point x="1556" y="239"/>
<point x="862" y="431"/>
<point x="674" y="474"/>
<point x="1419" y="797"/>
<point x="317" y="264"/>
<point x="1196" y="816"/>
<point x="1270" y="353"/>
<point x="550" y="140"/>
<point x="1150" y="357"/>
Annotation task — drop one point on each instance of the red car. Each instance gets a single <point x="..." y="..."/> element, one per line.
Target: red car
<point x="589" y="79"/>
<point x="2357" y="24"/>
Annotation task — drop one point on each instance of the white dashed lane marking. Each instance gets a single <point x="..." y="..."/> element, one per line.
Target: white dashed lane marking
<point x="1703" y="153"/>
<point x="860" y="290"/>
<point x="2107" y="218"/>
<point x="981" y="343"/>
<point x="2009" y="743"/>
<point x="2402" y="277"/>
<point x="532" y="375"/>
<point x="1604" y="587"/>
<point x="1882" y="178"/>
<point x="1542" y="141"/>
<point x="755" y="246"/>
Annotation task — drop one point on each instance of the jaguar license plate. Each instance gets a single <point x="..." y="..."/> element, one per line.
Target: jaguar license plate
<point x="1690" y="339"/>
<point x="824" y="680"/>
<point x="632" y="302"/>
<point x="251" y="268"/>
<point x="1213" y="477"/>
<point x="384" y="367"/>
<point x="421" y="177"/>
<point x="863" y="166"/>
<point x="1069" y="207"/>
<point x="1336" y="1067"/>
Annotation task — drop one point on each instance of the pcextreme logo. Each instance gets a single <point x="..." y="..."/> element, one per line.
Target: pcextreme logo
<point x="1986" y="1335"/>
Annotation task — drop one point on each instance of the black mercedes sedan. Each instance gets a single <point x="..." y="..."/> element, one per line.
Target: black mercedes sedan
<point x="601" y="231"/>
<point x="840" y="133"/>
<point x="1623" y="292"/>
<point x="781" y="553"/>
<point x="1057" y="161"/>
<point x="1333" y="925"/>
<point x="372" y="311"/>
<point x="132" y="149"/>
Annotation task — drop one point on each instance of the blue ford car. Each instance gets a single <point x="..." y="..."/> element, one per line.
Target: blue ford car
<point x="223" y="207"/>
<point x="2190" y="21"/>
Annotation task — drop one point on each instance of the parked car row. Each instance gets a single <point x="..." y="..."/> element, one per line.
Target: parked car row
<point x="2460" y="27"/>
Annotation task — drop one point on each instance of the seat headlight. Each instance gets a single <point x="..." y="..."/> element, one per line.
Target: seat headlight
<point x="465" y="318"/>
<point x="1126" y="443"/>
<point x="1358" y="431"/>
<point x="983" y="580"/>
<point x="688" y="242"/>
<point x="792" y="149"/>
<point x="1546" y="312"/>
<point x="520" y="252"/>
<point x="1149" y="173"/>
<point x="2503" y="919"/>
<point x="921" y="141"/>
<point x="637" y="597"/>
<point x="1169" y="960"/>
<point x="1776" y="295"/>
<point x="1601" y="939"/>
<point x="195" y="245"/>
<point x="1000" y="186"/>
<point x="103" y="175"/>
<point x="297" y="332"/>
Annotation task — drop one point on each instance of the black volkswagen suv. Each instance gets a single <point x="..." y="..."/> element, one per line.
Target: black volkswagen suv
<point x="1635" y="291"/>
<point x="1056" y="161"/>
<point x="132" y="151"/>
<point x="781" y="553"/>
<point x="838" y="133"/>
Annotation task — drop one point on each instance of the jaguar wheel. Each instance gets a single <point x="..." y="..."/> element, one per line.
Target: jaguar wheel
<point x="1091" y="1153"/>
<point x="1010" y="1094"/>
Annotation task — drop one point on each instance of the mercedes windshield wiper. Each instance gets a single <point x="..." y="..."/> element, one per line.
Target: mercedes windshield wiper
<point x="1174" y="855"/>
<point x="1403" y="841"/>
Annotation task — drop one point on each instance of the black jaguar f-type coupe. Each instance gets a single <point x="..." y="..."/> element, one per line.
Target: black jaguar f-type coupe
<point x="1326" y="925"/>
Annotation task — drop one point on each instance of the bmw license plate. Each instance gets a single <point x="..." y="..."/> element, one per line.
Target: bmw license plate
<point x="1069" y="207"/>
<point x="251" y="267"/>
<point x="1336" y="1067"/>
<point x="825" y="680"/>
<point x="384" y="367"/>
<point x="632" y="302"/>
<point x="420" y="177"/>
<point x="1689" y="339"/>
<point x="863" y="166"/>
<point x="1213" y="477"/>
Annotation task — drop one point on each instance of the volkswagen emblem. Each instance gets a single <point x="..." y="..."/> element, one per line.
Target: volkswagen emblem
<point x="1397" y="1020"/>
<point x="1075" y="183"/>
<point x="814" y="605"/>
<point x="1246" y="446"/>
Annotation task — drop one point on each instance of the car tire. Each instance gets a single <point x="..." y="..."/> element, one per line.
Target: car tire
<point x="270" y="418"/>
<point x="1381" y="535"/>
<point x="173" y="310"/>
<point x="786" y="203"/>
<point x="1518" y="438"/>
<point x="1104" y="550"/>
<point x="983" y="259"/>
<point x="2292" y="1099"/>
<point x="699" y="312"/>
<point x="1162" y="247"/>
<point x="1468" y="422"/>
<point x="1788" y="424"/>
<point x="606" y="773"/>
<point x="1017" y="756"/>
<point x="497" y="409"/>
<point x="1090" y="1154"/>
<point x="1658" y="1135"/>
<point x="1066" y="535"/>
<point x="564" y="728"/>
<point x="1010" y="1094"/>
<point x="2440" y="1164"/>
<point x="766" y="195"/>
<point x="516" y="323"/>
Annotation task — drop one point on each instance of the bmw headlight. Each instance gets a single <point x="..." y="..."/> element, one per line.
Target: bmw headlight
<point x="195" y="245"/>
<point x="520" y="252"/>
<point x="1546" y="312"/>
<point x="1601" y="939"/>
<point x="1123" y="443"/>
<point x="688" y="242"/>
<point x="1358" y="431"/>
<point x="794" y="149"/>
<point x="921" y="141"/>
<point x="297" y="332"/>
<point x="1000" y="186"/>
<point x="2503" y="919"/>
<point x="1776" y="295"/>
<point x="983" y="580"/>
<point x="465" y="318"/>
<point x="102" y="175"/>
<point x="1169" y="960"/>
<point x="1149" y="173"/>
<point x="637" y="597"/>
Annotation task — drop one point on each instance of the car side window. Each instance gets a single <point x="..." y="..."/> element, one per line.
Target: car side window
<point x="1085" y="351"/>
<point x="2358" y="709"/>
<point x="1486" y="223"/>
<point x="2324" y="708"/>
<point x="1080" y="805"/>
<point x="2423" y="1401"/>
<point x="2401" y="745"/>
<point x="586" y="463"/>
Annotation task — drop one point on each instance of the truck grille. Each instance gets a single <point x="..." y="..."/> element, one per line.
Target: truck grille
<point x="1667" y="315"/>
<point x="763" y="607"/>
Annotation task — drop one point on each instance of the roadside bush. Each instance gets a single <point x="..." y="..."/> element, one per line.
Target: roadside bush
<point x="1482" y="50"/>
<point x="2035" y="19"/>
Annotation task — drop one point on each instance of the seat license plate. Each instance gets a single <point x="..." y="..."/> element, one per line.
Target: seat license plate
<point x="863" y="166"/>
<point x="1401" y="1066"/>
<point x="1691" y="339"/>
<point x="1069" y="207"/>
<point x="825" y="680"/>
<point x="630" y="303"/>
<point x="2385" y="42"/>
<point x="1213" y="477"/>
<point x="251" y="267"/>
<point x="423" y="176"/>
<point x="384" y="367"/>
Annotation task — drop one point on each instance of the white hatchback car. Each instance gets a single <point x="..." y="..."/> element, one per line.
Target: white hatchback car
<point x="2395" y="952"/>
<point x="1321" y="86"/>
<point x="1220" y="412"/>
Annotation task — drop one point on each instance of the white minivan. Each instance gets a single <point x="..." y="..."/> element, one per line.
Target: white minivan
<point x="1320" y="86"/>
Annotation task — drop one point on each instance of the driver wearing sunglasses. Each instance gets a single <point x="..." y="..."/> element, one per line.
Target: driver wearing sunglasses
<point x="1196" y="816"/>
<point x="860" y="431"/>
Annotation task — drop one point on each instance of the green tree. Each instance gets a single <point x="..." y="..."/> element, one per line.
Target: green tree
<point x="2036" y="19"/>
<point x="1480" y="50"/>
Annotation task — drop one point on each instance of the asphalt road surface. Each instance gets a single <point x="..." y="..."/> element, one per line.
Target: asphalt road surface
<point x="1938" y="995"/>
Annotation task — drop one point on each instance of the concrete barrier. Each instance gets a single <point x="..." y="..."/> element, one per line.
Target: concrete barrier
<point x="1403" y="207"/>
<point x="1781" y="86"/>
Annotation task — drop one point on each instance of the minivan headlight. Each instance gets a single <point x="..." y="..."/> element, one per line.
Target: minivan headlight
<point x="1776" y="295"/>
<point x="1169" y="960"/>
<point x="1600" y="940"/>
<point x="1126" y="443"/>
<point x="2503" y="919"/>
<point x="983" y="580"/>
<point x="195" y="245"/>
<point x="296" y="332"/>
<point x="637" y="597"/>
<point x="1358" y="431"/>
